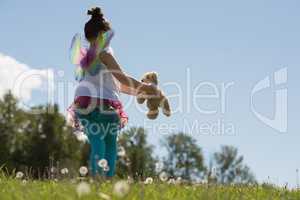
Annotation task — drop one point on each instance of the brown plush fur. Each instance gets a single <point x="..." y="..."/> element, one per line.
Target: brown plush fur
<point x="154" y="101"/>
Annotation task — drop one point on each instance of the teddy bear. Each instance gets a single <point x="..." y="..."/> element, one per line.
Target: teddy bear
<point x="153" y="102"/>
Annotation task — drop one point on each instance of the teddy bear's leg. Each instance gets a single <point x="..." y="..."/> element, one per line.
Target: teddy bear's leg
<point x="140" y="98"/>
<point x="152" y="114"/>
<point x="166" y="107"/>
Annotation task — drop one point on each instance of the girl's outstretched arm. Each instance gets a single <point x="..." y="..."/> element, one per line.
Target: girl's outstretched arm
<point x="129" y="85"/>
<point x="126" y="90"/>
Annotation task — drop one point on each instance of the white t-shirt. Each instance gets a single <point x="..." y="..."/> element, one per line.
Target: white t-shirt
<point x="103" y="85"/>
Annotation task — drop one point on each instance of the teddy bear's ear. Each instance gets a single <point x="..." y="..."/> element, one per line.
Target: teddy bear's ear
<point x="154" y="77"/>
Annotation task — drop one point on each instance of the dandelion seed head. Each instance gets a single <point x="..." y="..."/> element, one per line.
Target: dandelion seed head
<point x="159" y="166"/>
<point x="121" y="189"/>
<point x="148" y="181"/>
<point x="52" y="169"/>
<point x="171" y="181"/>
<point x="163" y="176"/>
<point x="102" y="163"/>
<point x="83" y="189"/>
<point x="43" y="136"/>
<point x="64" y="171"/>
<point x="106" y="168"/>
<point x="83" y="171"/>
<point x="178" y="180"/>
<point x="19" y="175"/>
<point x="81" y="136"/>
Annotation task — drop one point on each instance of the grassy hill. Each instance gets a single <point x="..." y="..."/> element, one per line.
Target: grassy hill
<point x="72" y="189"/>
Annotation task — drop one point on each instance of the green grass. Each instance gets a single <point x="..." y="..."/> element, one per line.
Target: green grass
<point x="13" y="189"/>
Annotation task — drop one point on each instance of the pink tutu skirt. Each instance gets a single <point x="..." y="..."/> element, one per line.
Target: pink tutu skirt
<point x="83" y="102"/>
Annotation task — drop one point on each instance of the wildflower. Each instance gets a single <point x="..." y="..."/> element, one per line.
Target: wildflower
<point x="102" y="163"/>
<point x="148" y="181"/>
<point x="121" y="189"/>
<point x="64" y="171"/>
<point x="19" y="175"/>
<point x="163" y="176"/>
<point x="121" y="152"/>
<point x="24" y="182"/>
<point x="82" y="189"/>
<point x="83" y="171"/>
<point x="104" y="196"/>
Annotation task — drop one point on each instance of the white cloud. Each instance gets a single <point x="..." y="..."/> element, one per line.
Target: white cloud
<point x="22" y="79"/>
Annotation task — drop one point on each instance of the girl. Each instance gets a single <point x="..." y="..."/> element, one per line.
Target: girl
<point x="96" y="105"/>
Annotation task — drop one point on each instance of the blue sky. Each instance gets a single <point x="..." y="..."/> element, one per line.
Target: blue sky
<point x="215" y="41"/>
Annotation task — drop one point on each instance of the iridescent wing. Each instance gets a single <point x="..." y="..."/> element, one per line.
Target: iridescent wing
<point x="75" y="49"/>
<point x="105" y="39"/>
<point x="79" y="51"/>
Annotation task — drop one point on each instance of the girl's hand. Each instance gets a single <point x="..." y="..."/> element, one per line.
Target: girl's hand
<point x="124" y="79"/>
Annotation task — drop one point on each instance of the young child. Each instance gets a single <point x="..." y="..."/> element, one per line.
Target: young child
<point x="97" y="106"/>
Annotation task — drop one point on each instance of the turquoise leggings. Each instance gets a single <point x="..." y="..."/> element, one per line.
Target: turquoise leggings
<point x="102" y="128"/>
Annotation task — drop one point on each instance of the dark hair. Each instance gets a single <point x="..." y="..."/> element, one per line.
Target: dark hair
<point x="96" y="24"/>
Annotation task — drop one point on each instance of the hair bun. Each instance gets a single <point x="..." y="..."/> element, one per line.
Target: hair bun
<point x="95" y="12"/>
